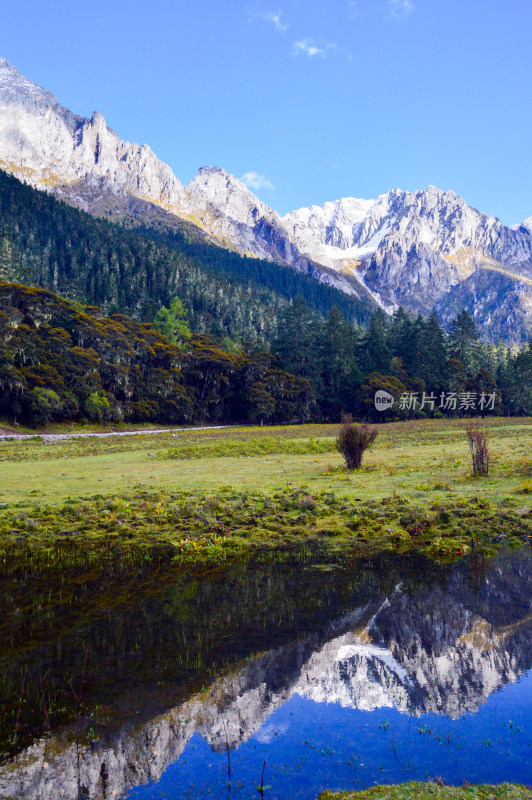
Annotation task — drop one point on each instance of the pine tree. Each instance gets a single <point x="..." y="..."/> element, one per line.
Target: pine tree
<point x="432" y="367"/>
<point x="172" y="322"/>
<point x="6" y="257"/>
<point x="340" y="374"/>
<point x="375" y="355"/>
<point x="297" y="343"/>
<point x="464" y="342"/>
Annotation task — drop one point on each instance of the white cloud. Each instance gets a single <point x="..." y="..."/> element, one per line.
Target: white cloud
<point x="399" y="9"/>
<point x="310" y="49"/>
<point x="274" y="17"/>
<point x="255" y="181"/>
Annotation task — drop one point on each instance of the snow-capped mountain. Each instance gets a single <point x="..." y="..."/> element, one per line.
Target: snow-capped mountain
<point x="417" y="249"/>
<point x="430" y="238"/>
<point x="526" y="224"/>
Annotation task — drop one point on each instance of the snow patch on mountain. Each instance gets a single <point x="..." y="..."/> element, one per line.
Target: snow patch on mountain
<point x="525" y="226"/>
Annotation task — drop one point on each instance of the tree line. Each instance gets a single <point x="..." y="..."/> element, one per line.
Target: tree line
<point x="407" y="356"/>
<point x="63" y="361"/>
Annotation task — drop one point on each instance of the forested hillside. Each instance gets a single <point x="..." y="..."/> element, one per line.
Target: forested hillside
<point x="253" y="354"/>
<point x="61" y="361"/>
<point x="45" y="242"/>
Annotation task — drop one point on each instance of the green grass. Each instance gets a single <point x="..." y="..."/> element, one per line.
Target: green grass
<point x="424" y="791"/>
<point x="7" y="428"/>
<point x="255" y="445"/>
<point x="216" y="493"/>
<point x="421" y="461"/>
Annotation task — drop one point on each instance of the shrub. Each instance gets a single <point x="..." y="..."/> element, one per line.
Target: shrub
<point x="353" y="440"/>
<point x="478" y="444"/>
<point x="45" y="405"/>
<point x="97" y="406"/>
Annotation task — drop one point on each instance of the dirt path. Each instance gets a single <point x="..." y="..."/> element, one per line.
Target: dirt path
<point x="58" y="437"/>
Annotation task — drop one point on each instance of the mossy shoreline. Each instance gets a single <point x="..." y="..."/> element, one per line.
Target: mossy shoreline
<point x="424" y="791"/>
<point x="215" y="495"/>
<point x="193" y="527"/>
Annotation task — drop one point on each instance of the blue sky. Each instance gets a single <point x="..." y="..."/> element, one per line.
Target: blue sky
<point x="311" y="100"/>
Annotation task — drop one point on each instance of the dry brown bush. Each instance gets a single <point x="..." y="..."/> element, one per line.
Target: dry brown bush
<point x="353" y="440"/>
<point x="478" y="444"/>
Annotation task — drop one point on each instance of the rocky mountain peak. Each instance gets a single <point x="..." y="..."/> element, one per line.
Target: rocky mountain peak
<point x="526" y="225"/>
<point x="216" y="191"/>
<point x="213" y="171"/>
<point x="98" y="120"/>
<point x="48" y="146"/>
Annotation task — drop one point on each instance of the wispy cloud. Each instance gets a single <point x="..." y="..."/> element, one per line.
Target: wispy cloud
<point x="274" y="17"/>
<point x="255" y="181"/>
<point x="399" y="9"/>
<point x="353" y="10"/>
<point x="308" y="47"/>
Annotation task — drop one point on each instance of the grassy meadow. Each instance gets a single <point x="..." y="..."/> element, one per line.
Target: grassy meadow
<point x="213" y="494"/>
<point x="418" y="460"/>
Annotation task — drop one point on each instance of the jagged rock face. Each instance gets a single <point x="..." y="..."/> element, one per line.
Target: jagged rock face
<point x="345" y="231"/>
<point x="524" y="227"/>
<point x="413" y="249"/>
<point x="441" y="221"/>
<point x="227" y="209"/>
<point x="496" y="300"/>
<point x="48" y="146"/>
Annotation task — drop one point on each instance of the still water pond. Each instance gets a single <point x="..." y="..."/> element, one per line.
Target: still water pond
<point x="302" y="674"/>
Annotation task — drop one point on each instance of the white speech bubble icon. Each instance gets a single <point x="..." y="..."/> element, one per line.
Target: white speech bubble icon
<point x="383" y="400"/>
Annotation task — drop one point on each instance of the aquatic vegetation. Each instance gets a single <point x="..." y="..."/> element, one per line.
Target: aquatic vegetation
<point x="424" y="791"/>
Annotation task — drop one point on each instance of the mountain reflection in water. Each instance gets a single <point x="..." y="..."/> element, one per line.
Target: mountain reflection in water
<point x="337" y="678"/>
